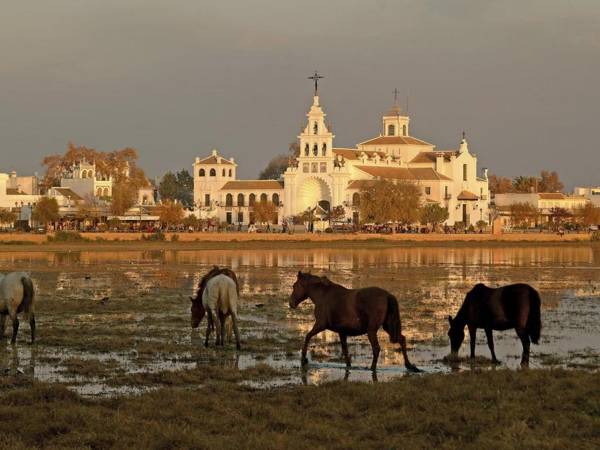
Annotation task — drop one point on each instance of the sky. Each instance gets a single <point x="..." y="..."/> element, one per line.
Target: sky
<point x="175" y="79"/>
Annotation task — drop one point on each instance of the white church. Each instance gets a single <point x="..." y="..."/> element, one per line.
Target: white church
<point x="324" y="176"/>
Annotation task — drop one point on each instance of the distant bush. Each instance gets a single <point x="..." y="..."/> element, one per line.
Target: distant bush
<point x="596" y="236"/>
<point x="328" y="230"/>
<point x="158" y="236"/>
<point x="67" y="236"/>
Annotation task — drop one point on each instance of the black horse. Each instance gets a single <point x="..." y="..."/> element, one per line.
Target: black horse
<point x="515" y="306"/>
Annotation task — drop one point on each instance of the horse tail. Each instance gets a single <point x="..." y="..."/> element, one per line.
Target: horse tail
<point x="534" y="321"/>
<point x="28" y="295"/>
<point x="391" y="323"/>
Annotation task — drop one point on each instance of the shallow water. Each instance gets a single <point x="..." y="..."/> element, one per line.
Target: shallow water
<point x="131" y="308"/>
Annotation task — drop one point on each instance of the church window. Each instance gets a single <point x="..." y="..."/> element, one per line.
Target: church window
<point x="264" y="198"/>
<point x="323" y="167"/>
<point x="315" y="128"/>
<point x="213" y="173"/>
<point x="202" y="173"/>
<point x="356" y="199"/>
<point x="223" y="173"/>
<point x="99" y="192"/>
<point x="464" y="172"/>
<point x="251" y="199"/>
<point x="315" y="149"/>
<point x="229" y="201"/>
<point x="403" y="130"/>
<point x="206" y="199"/>
<point x="240" y="199"/>
<point x="228" y="218"/>
<point x="240" y="217"/>
<point x="427" y="190"/>
<point x="106" y="192"/>
<point x="306" y="150"/>
<point x="391" y="130"/>
<point x="275" y="199"/>
<point x="230" y="172"/>
<point x="324" y="150"/>
<point x="305" y="167"/>
<point x="84" y="174"/>
<point x="314" y="167"/>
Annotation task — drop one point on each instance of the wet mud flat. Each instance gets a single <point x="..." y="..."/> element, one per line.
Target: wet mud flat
<point x="117" y="323"/>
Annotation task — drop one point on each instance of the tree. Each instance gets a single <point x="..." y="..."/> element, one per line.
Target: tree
<point x="170" y="213"/>
<point x="522" y="214"/>
<point x="294" y="149"/>
<point x="275" y="168"/>
<point x="499" y="185"/>
<point x="46" y="211"/>
<point x="7" y="216"/>
<point x="524" y="185"/>
<point x="177" y="187"/>
<point x="550" y="182"/>
<point x="433" y="214"/>
<point x="265" y="212"/>
<point x="481" y="225"/>
<point x="588" y="214"/>
<point x="385" y="201"/>
<point x="336" y="214"/>
<point x="558" y="215"/>
<point x="192" y="222"/>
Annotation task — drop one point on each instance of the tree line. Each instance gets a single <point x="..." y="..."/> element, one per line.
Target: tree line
<point x="548" y="181"/>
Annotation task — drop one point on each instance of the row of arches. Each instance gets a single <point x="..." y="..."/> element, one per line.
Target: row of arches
<point x="315" y="150"/>
<point x="391" y="131"/>
<point x="213" y="173"/>
<point x="241" y="199"/>
<point x="102" y="192"/>
<point x="87" y="174"/>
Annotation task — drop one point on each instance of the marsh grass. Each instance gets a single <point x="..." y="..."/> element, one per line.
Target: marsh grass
<point x="491" y="409"/>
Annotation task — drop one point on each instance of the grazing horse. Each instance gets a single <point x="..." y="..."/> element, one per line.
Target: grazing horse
<point x="349" y="312"/>
<point x="514" y="306"/>
<point x="218" y="297"/>
<point x="16" y="295"/>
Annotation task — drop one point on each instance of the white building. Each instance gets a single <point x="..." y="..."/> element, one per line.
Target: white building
<point x="326" y="176"/>
<point x="86" y="182"/>
<point x="14" y="197"/>
<point x="591" y="193"/>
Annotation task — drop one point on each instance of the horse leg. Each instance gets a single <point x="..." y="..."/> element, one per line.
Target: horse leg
<point x="209" y="326"/>
<point x="222" y="319"/>
<point x="32" y="326"/>
<point x="344" y="342"/>
<point x="236" y="331"/>
<point x="490" y="341"/>
<point x="2" y="324"/>
<point x="375" y="346"/>
<point x="407" y="364"/>
<point x="316" y="329"/>
<point x="15" y="330"/>
<point x="218" y="330"/>
<point x="473" y="340"/>
<point x="522" y="333"/>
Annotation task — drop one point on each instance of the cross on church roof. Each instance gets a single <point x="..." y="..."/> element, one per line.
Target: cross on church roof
<point x="396" y="92"/>
<point x="316" y="77"/>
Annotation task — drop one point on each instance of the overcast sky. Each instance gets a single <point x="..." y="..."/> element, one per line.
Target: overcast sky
<point x="175" y="79"/>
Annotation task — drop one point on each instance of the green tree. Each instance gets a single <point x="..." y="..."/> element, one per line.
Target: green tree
<point x="275" y="168"/>
<point x="523" y="184"/>
<point x="170" y="213"/>
<point x="45" y="211"/>
<point x="433" y="214"/>
<point x="177" y="187"/>
<point x="385" y="201"/>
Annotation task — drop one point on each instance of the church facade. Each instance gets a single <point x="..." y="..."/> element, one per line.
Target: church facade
<point x="324" y="176"/>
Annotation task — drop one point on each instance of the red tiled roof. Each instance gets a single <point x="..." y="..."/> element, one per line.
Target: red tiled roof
<point x="551" y="196"/>
<point x="395" y="140"/>
<point x="214" y="160"/>
<point x="467" y="195"/>
<point x="426" y="157"/>
<point x="253" y="184"/>
<point x="402" y="173"/>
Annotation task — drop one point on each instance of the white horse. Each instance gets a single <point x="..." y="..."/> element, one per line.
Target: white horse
<point x="16" y="295"/>
<point x="220" y="300"/>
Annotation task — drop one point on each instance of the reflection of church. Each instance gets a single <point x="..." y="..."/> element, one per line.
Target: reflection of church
<point x="323" y="176"/>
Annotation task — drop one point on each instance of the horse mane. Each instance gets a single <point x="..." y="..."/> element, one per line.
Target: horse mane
<point x="323" y="281"/>
<point x="216" y="270"/>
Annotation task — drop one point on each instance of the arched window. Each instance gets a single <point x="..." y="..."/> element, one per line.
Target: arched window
<point x="213" y="173"/>
<point x="84" y="174"/>
<point x="240" y="200"/>
<point x="276" y="199"/>
<point x="106" y="192"/>
<point x="263" y="198"/>
<point x="99" y="192"/>
<point x="315" y="150"/>
<point x="391" y="130"/>
<point x="223" y="173"/>
<point x="356" y="199"/>
<point x="90" y="174"/>
<point x="315" y="128"/>
<point x="403" y="130"/>
<point x="251" y="200"/>
<point x="229" y="172"/>
<point x="306" y="150"/>
<point x="324" y="149"/>
<point x="229" y="200"/>
<point x="202" y="172"/>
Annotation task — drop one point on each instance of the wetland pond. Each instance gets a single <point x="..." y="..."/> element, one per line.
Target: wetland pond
<point x="118" y="322"/>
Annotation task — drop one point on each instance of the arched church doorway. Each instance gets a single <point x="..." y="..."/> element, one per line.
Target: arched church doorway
<point x="313" y="192"/>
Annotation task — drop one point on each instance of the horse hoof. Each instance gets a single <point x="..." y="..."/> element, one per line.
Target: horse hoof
<point x="304" y="361"/>
<point x="496" y="362"/>
<point x="238" y="347"/>
<point x="413" y="369"/>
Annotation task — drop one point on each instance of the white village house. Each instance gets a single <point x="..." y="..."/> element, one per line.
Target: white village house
<point x="324" y="176"/>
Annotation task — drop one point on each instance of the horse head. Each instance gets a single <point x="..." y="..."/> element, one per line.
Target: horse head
<point x="456" y="333"/>
<point x="300" y="289"/>
<point x="197" y="310"/>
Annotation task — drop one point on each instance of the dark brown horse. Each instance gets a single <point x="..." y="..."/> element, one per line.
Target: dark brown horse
<point x="515" y="306"/>
<point x="349" y="312"/>
<point x="197" y="308"/>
